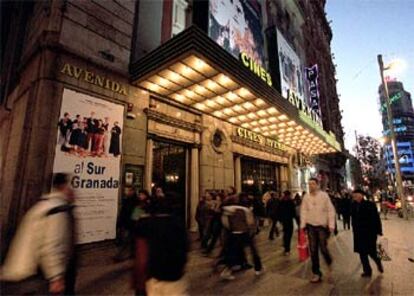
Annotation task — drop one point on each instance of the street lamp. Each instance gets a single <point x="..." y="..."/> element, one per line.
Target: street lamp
<point x="398" y="177"/>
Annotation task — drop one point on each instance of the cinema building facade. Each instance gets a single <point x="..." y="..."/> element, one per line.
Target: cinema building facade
<point x="98" y="97"/>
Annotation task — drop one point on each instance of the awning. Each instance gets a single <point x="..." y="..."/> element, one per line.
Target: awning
<point x="195" y="71"/>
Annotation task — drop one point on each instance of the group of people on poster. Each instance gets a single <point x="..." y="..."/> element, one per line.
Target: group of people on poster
<point x="89" y="136"/>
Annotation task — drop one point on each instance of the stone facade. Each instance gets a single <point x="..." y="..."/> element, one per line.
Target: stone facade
<point x="94" y="36"/>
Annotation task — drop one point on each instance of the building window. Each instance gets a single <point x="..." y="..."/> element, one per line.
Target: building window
<point x="258" y="176"/>
<point x="179" y="16"/>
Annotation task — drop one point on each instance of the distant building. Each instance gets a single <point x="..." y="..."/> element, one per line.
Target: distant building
<point x="403" y="119"/>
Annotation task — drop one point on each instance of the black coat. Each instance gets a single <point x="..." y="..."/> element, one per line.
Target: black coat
<point x="273" y="208"/>
<point x="286" y="212"/>
<point x="366" y="225"/>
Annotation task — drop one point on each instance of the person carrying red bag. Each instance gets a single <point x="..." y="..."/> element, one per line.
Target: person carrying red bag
<point x="318" y="218"/>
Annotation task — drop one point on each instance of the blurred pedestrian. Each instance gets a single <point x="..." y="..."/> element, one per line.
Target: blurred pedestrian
<point x="366" y="225"/>
<point x="346" y="210"/>
<point x="318" y="218"/>
<point x="239" y="221"/>
<point x="215" y="225"/>
<point x="53" y="251"/>
<point x="298" y="201"/>
<point x="272" y="213"/>
<point x="287" y="214"/>
<point x="160" y="254"/>
<point x="125" y="225"/>
<point x="141" y="207"/>
<point x="201" y="216"/>
<point x="208" y="218"/>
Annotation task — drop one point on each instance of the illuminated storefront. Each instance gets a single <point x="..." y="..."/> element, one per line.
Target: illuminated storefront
<point x="228" y="113"/>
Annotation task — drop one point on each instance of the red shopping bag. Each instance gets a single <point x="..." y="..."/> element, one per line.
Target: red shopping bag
<point x="303" y="249"/>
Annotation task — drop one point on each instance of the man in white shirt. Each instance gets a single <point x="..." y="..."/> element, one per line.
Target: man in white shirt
<point x="317" y="216"/>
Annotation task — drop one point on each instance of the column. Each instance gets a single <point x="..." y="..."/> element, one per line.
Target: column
<point x="194" y="186"/>
<point x="237" y="174"/>
<point x="148" y="165"/>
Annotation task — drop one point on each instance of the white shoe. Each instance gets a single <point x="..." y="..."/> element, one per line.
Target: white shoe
<point x="316" y="279"/>
<point x="226" y="274"/>
<point x="259" y="272"/>
<point x="286" y="253"/>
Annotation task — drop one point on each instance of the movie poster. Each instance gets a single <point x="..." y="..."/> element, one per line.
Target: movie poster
<point x="236" y="25"/>
<point x="291" y="69"/>
<point x="88" y="147"/>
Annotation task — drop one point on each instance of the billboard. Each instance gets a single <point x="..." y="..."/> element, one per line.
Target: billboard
<point x="236" y="25"/>
<point x="405" y="156"/>
<point x="88" y="147"/>
<point x="291" y="69"/>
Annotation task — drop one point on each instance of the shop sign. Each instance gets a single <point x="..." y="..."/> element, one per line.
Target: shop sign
<point x="89" y="148"/>
<point x="93" y="78"/>
<point x="312" y="76"/>
<point x="255" y="67"/>
<point x="262" y="140"/>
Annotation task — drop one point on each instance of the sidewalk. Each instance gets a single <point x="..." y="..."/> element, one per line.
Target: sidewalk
<point x="283" y="275"/>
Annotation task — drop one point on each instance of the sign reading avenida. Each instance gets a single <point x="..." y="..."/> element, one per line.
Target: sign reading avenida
<point x="262" y="140"/>
<point x="90" y="77"/>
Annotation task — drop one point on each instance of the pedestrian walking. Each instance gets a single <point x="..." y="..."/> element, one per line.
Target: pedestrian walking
<point x="286" y="217"/>
<point x="125" y="225"/>
<point x="53" y="251"/>
<point x="272" y="213"/>
<point x="298" y="201"/>
<point x="161" y="248"/>
<point x="318" y="218"/>
<point x="201" y="217"/>
<point x="384" y="203"/>
<point x="366" y="225"/>
<point x="215" y="223"/>
<point x="238" y="219"/>
<point x="208" y="215"/>
<point x="140" y="208"/>
<point x="346" y="210"/>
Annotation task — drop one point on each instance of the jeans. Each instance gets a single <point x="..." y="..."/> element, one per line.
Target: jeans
<point x="318" y="237"/>
<point x="366" y="267"/>
<point x="287" y="234"/>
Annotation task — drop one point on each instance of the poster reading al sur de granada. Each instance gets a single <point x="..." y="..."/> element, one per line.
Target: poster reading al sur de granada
<point x="88" y="147"/>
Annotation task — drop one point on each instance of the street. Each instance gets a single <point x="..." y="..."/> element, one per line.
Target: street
<point x="283" y="275"/>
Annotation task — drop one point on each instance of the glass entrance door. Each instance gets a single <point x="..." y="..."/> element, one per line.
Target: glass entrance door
<point x="169" y="172"/>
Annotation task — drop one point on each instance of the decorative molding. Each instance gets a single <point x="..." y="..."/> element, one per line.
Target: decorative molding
<point x="172" y="121"/>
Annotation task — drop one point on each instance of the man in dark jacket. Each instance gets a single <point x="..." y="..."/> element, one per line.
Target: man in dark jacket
<point x="287" y="213"/>
<point x="366" y="225"/>
<point x="272" y="213"/>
